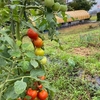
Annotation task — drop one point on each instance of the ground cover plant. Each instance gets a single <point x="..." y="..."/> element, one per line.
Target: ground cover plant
<point x="75" y="70"/>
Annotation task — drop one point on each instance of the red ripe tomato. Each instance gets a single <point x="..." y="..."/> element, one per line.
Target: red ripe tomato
<point x="32" y="93"/>
<point x="43" y="95"/>
<point x="32" y="34"/>
<point x="38" y="42"/>
<point x="40" y="86"/>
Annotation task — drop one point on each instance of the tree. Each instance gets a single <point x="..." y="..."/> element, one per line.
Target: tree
<point x="81" y="4"/>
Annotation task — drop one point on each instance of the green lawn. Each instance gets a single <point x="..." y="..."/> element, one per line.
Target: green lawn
<point x="75" y="70"/>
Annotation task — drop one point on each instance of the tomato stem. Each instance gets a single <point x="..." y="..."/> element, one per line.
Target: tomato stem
<point x="18" y="30"/>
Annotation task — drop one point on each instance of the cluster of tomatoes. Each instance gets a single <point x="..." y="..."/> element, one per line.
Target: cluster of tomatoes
<point x="38" y="43"/>
<point x="37" y="94"/>
<point x="56" y="6"/>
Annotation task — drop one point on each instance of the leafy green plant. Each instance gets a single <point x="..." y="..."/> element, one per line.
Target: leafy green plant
<point x="20" y="61"/>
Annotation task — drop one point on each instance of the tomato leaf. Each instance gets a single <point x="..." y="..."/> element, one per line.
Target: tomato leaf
<point x="49" y="17"/>
<point x="30" y="54"/>
<point x="10" y="93"/>
<point x="64" y="16"/>
<point x="37" y="72"/>
<point x="9" y="40"/>
<point x="47" y="85"/>
<point x="2" y="62"/>
<point x="15" y="53"/>
<point x="19" y="87"/>
<point x="24" y="65"/>
<point x="34" y="63"/>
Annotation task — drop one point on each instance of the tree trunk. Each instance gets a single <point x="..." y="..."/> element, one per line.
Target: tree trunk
<point x="98" y="16"/>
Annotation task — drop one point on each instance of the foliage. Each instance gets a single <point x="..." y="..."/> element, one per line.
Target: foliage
<point x="73" y="74"/>
<point x="98" y="16"/>
<point x="81" y="4"/>
<point x="20" y="63"/>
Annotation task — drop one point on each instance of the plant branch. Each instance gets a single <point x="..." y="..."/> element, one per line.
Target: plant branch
<point x="5" y="58"/>
<point x="18" y="30"/>
<point x="18" y="78"/>
<point x="33" y="7"/>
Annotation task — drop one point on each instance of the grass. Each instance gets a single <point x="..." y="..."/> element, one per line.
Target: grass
<point x="75" y="70"/>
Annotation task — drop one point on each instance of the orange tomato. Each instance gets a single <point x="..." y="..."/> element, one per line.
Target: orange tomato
<point x="40" y="86"/>
<point x="42" y="77"/>
<point x="38" y="42"/>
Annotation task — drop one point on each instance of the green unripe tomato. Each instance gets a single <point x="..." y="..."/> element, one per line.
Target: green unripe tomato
<point x="63" y="8"/>
<point x="56" y="6"/>
<point x="48" y="3"/>
<point x="43" y="61"/>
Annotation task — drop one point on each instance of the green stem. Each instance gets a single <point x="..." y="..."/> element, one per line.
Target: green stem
<point x="12" y="25"/>
<point x="5" y="58"/>
<point x="23" y="9"/>
<point x="34" y="7"/>
<point x="18" y="30"/>
<point x="2" y="89"/>
<point x="18" y="78"/>
<point x="37" y="18"/>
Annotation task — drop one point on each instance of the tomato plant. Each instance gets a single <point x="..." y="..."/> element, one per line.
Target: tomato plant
<point x="22" y="62"/>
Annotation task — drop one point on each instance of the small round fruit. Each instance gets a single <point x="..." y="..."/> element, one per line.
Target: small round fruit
<point x="32" y="34"/>
<point x="42" y="77"/>
<point x="39" y="52"/>
<point x="43" y="60"/>
<point x="63" y="8"/>
<point x="40" y="86"/>
<point x="56" y="6"/>
<point x="32" y="93"/>
<point x="43" y="95"/>
<point x="48" y="3"/>
<point x="38" y="42"/>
